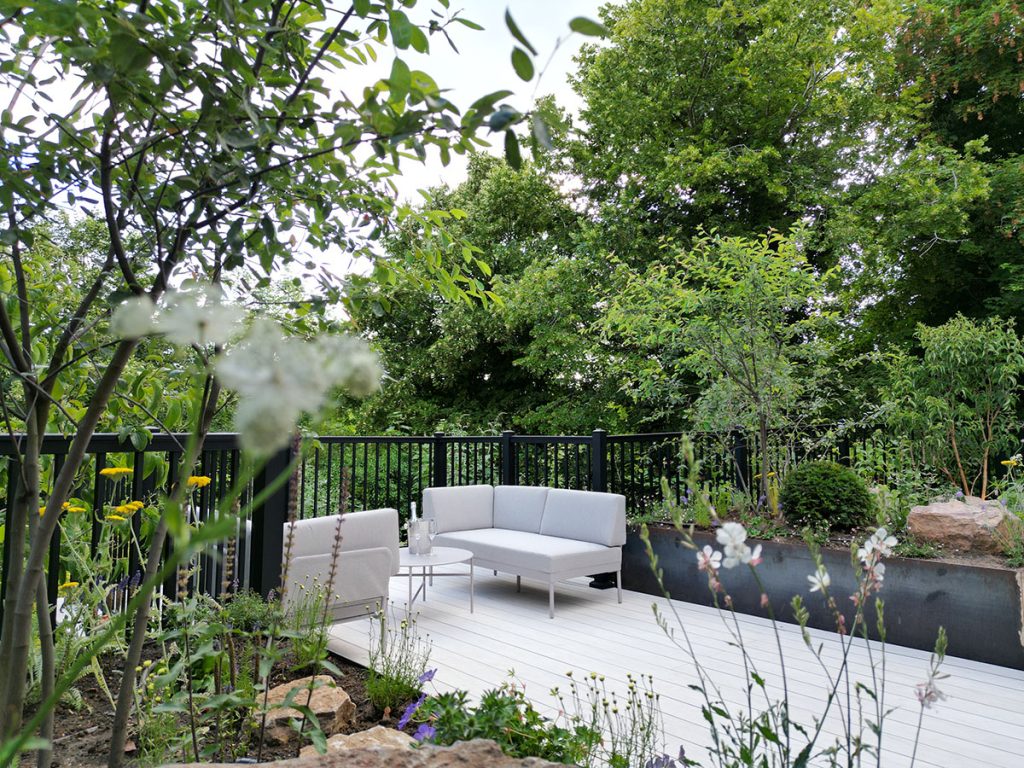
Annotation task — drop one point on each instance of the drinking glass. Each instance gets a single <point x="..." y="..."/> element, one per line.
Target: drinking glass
<point x="431" y="532"/>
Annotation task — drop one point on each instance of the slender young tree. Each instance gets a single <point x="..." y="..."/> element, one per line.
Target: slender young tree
<point x="208" y="139"/>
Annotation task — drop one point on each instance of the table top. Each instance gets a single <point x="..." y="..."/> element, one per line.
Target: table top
<point x="437" y="556"/>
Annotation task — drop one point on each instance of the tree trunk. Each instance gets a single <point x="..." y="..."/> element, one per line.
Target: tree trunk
<point x="125" y="694"/>
<point x="44" y="757"/>
<point x="16" y="644"/>
<point x="16" y="627"/>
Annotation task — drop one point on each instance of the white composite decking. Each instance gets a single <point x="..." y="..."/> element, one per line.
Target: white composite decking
<point x="980" y="723"/>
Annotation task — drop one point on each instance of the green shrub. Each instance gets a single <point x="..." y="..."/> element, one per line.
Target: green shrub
<point x="506" y="716"/>
<point x="823" y="495"/>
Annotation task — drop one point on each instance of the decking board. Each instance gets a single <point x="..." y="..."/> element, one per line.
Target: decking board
<point x="981" y="723"/>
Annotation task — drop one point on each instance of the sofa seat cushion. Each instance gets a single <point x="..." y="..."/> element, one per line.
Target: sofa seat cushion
<point x="498" y="547"/>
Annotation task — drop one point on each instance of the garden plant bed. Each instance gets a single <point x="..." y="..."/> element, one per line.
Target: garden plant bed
<point x="979" y="606"/>
<point x="82" y="736"/>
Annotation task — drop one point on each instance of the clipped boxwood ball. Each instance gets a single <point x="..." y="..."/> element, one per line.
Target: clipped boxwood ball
<point x="824" y="495"/>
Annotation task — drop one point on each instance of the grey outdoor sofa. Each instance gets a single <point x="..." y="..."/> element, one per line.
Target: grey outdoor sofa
<point x="368" y="558"/>
<point x="541" y="533"/>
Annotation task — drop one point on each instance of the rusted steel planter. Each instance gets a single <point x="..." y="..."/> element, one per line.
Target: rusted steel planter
<point x="979" y="607"/>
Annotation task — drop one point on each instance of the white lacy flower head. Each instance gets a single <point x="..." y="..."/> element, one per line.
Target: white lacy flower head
<point x="709" y="559"/>
<point x="133" y="318"/>
<point x="199" y="315"/>
<point x="278" y="378"/>
<point x="820" y="580"/>
<point x="731" y="534"/>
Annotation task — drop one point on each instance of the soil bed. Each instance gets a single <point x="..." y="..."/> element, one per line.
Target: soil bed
<point x="82" y="737"/>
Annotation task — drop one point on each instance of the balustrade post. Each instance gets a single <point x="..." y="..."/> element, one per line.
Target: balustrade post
<point x="599" y="461"/>
<point x="268" y="521"/>
<point x="599" y="482"/>
<point x="440" y="468"/>
<point x="740" y="450"/>
<point x="508" y="458"/>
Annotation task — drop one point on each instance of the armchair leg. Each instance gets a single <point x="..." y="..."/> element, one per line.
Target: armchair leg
<point x="519" y="583"/>
<point x="551" y="599"/>
<point x="618" y="584"/>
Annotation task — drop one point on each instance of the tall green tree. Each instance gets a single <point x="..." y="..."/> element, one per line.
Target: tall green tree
<point x="747" y="320"/>
<point x="738" y="116"/>
<point x="937" y="229"/>
<point x="528" y="358"/>
<point x="204" y="137"/>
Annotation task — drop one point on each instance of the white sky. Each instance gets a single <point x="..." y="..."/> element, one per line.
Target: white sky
<point x="483" y="66"/>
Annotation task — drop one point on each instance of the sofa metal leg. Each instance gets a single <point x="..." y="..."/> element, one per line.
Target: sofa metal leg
<point x="495" y="573"/>
<point x="551" y="599"/>
<point x="618" y="584"/>
<point x="519" y="583"/>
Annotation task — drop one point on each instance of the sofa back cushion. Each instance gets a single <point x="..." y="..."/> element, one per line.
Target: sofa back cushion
<point x="519" y="507"/>
<point x="599" y="518"/>
<point x="462" y="508"/>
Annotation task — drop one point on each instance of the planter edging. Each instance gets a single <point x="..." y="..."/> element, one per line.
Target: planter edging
<point x="919" y="595"/>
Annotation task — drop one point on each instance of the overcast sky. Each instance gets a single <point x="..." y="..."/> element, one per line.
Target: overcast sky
<point x="483" y="65"/>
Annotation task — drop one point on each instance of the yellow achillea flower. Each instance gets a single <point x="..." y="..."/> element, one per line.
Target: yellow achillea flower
<point x="115" y="471"/>
<point x="68" y="585"/>
<point x="198" y="481"/>
<point x="72" y="510"/>
<point x="112" y="518"/>
<point x="42" y="510"/>
<point x="1009" y="462"/>
<point x="135" y="505"/>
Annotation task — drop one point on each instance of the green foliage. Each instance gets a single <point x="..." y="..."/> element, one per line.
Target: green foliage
<point x="823" y="495"/>
<point x="958" y="401"/>
<point x="398" y="661"/>
<point x="526" y="359"/>
<point x="306" y="628"/>
<point x="710" y="114"/>
<point x="506" y="716"/>
<point x="745" y="318"/>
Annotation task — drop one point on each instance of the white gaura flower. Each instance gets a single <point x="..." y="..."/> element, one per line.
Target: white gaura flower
<point x="199" y="315"/>
<point x="133" y="318"/>
<point x="820" y="580"/>
<point x="709" y="559"/>
<point x="928" y="694"/>
<point x="731" y="534"/>
<point x="733" y="537"/>
<point x="881" y="542"/>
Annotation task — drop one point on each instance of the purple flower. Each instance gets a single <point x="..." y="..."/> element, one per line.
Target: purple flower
<point x="958" y="495"/>
<point x="410" y="711"/>
<point x="425" y="732"/>
<point x="427" y="676"/>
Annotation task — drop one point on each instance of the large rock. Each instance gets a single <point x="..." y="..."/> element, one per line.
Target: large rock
<point x="332" y="706"/>
<point x="378" y="736"/>
<point x="971" y="525"/>
<point x="467" y="754"/>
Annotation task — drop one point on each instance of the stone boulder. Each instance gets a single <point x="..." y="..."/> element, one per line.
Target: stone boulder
<point x="467" y="754"/>
<point x="333" y="707"/>
<point x="378" y="736"/>
<point x="971" y="525"/>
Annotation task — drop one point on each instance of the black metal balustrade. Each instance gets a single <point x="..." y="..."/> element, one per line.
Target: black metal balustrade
<point x="355" y="473"/>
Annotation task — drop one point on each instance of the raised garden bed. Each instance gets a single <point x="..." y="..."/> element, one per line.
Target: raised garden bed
<point x="980" y="607"/>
